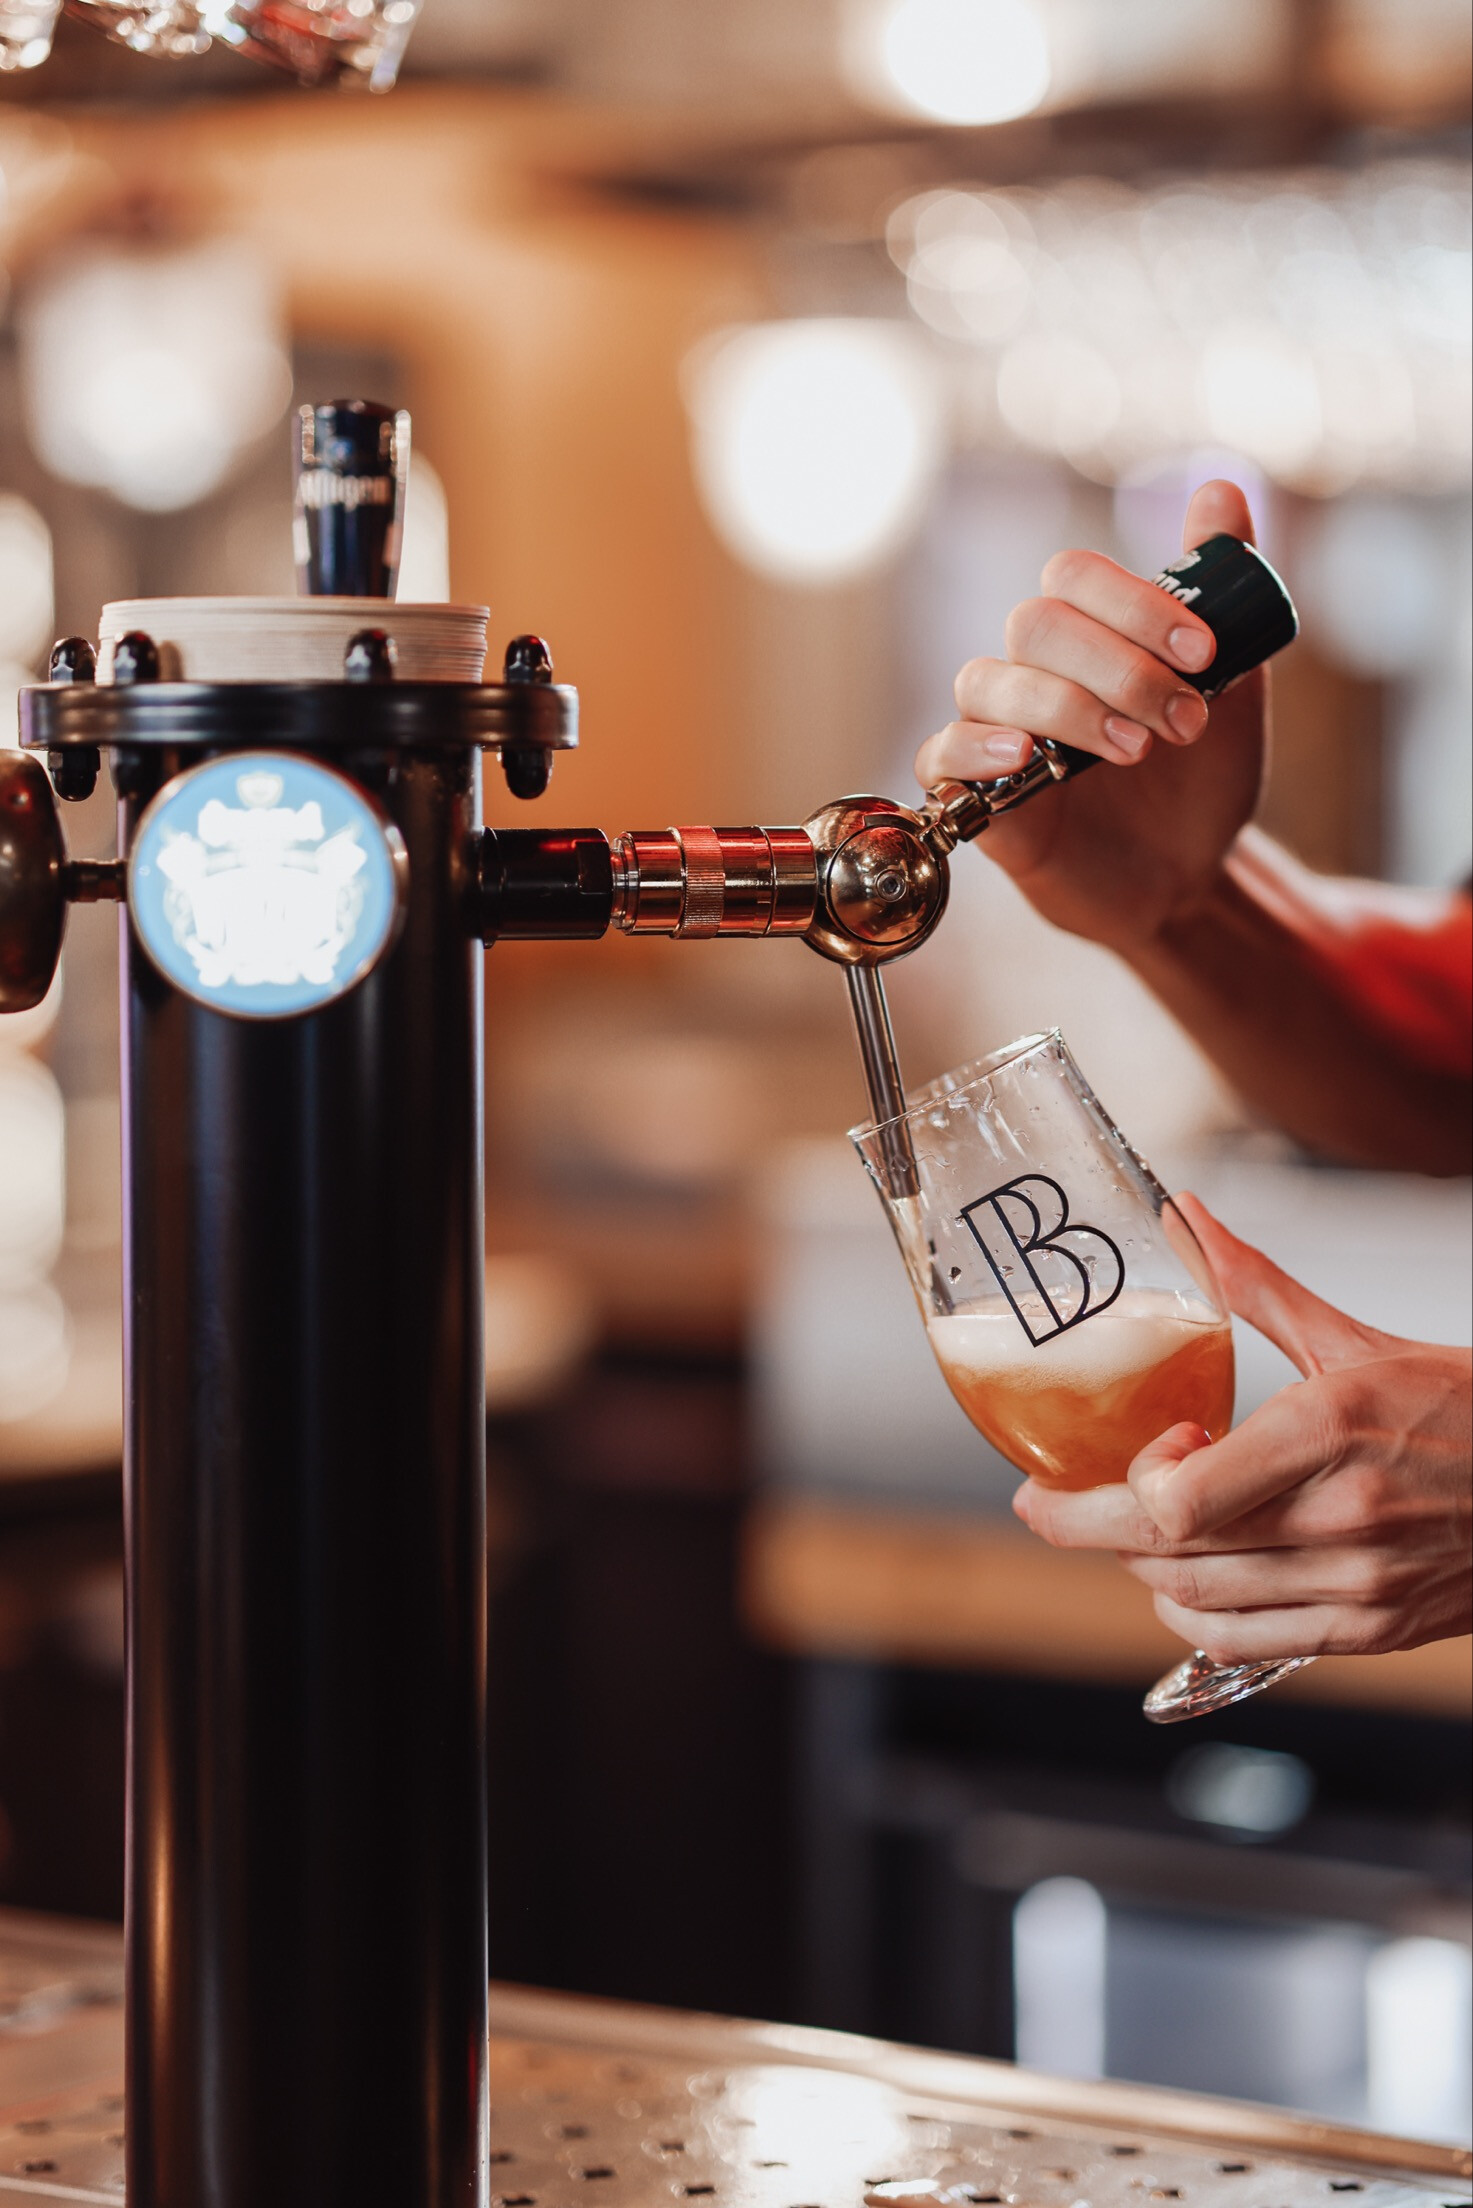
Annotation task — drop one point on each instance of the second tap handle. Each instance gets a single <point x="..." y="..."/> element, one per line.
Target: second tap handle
<point x="351" y="469"/>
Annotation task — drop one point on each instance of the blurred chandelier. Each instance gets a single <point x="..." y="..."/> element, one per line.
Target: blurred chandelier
<point x="1316" y="322"/>
<point x="149" y="371"/>
<point x="316" y="41"/>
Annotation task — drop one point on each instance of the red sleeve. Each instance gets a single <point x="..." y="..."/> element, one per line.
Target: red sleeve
<point x="1417" y="985"/>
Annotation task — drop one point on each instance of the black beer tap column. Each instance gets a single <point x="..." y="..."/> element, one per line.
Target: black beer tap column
<point x="305" y="1419"/>
<point x="306" y="1566"/>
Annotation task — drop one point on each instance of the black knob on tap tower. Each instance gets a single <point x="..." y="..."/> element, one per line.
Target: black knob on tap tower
<point x="351" y="465"/>
<point x="74" y="770"/>
<point x="527" y="767"/>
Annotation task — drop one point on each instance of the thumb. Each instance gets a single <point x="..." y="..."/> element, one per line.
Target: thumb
<point x="1313" y="1333"/>
<point x="1150" y="1472"/>
<point x="1218" y="509"/>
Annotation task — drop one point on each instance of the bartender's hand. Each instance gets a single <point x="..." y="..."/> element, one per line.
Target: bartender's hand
<point x="1336" y="1520"/>
<point x="1097" y="661"/>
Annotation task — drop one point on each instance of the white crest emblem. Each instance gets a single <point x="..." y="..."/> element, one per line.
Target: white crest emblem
<point x="265" y="884"/>
<point x="260" y="892"/>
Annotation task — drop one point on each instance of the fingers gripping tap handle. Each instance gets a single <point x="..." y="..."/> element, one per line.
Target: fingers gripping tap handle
<point x="1227" y="584"/>
<point x="1224" y="582"/>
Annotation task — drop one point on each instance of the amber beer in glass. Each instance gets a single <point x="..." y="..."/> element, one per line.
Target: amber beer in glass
<point x="1075" y="1412"/>
<point x="1066" y="1300"/>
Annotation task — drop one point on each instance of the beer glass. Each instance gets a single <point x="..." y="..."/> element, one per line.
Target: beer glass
<point x="1069" y="1306"/>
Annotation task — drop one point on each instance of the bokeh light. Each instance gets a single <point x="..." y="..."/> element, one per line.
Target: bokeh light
<point x="424" y="565"/>
<point x="964" y="61"/>
<point x="1317" y="323"/>
<point x="815" y="443"/>
<point x="147" y="374"/>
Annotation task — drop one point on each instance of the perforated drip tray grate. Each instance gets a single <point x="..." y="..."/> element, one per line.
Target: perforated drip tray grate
<point x="73" y="2153"/>
<point x="595" y="2105"/>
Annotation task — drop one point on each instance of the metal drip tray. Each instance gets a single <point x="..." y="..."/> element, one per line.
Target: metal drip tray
<point x="596" y="2105"/>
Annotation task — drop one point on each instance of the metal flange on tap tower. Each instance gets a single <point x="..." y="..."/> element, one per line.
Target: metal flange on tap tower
<point x="305" y="889"/>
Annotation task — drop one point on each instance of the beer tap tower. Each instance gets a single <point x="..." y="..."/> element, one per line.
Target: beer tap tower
<point x="306" y="888"/>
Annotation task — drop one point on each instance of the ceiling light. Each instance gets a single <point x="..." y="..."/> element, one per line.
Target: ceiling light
<point x="814" y="443"/>
<point x="957" y="61"/>
<point x="147" y="374"/>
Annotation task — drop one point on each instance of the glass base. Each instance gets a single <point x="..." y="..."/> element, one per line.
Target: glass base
<point x="1198" y="1685"/>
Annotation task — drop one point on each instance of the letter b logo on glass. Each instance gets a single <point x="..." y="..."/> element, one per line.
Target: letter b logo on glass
<point x="1054" y="1271"/>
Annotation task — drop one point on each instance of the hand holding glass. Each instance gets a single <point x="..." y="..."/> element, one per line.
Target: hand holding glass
<point x="1068" y="1303"/>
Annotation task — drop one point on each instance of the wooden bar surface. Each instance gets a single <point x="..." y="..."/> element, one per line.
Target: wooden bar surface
<point x="822" y="1578"/>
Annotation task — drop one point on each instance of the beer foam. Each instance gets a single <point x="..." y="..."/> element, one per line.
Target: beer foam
<point x="1139" y="1331"/>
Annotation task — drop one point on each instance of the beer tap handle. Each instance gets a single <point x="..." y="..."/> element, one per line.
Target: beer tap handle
<point x="1227" y="584"/>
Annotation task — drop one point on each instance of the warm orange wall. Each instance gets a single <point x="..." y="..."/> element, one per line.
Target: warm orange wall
<point x="541" y="328"/>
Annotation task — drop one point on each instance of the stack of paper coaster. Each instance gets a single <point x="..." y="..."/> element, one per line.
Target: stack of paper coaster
<point x="294" y="639"/>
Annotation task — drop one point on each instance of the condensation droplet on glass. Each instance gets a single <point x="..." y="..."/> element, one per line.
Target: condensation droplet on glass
<point x="955" y="1273"/>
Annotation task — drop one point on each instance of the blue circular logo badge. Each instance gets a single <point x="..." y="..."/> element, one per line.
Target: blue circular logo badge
<point x="264" y="884"/>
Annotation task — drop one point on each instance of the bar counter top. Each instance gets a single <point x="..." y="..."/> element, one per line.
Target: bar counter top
<point x="830" y="1577"/>
<point x="601" y="2102"/>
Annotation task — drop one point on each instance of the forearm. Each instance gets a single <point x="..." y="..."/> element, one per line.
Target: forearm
<point x="1340" y="1010"/>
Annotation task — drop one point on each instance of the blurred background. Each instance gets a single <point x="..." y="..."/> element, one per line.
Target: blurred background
<point x="759" y="355"/>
